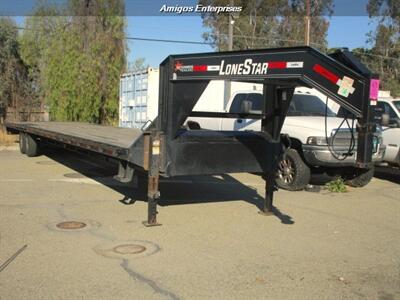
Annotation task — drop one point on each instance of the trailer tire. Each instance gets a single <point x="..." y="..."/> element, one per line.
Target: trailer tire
<point x="293" y="174"/>
<point x="22" y="142"/>
<point x="359" y="177"/>
<point x="32" y="146"/>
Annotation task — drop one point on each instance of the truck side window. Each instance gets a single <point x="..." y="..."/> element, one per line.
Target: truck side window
<point x="387" y="110"/>
<point x="255" y="98"/>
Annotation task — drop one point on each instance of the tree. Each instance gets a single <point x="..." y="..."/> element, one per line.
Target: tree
<point x="15" y="88"/>
<point x="254" y="27"/>
<point x="138" y="65"/>
<point x="384" y="56"/>
<point x="40" y="30"/>
<point x="292" y="27"/>
<point x="263" y="24"/>
<point x="78" y="59"/>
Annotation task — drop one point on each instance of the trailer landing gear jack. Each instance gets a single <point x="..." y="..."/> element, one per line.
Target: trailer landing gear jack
<point x="152" y="159"/>
<point x="153" y="195"/>
<point x="268" y="208"/>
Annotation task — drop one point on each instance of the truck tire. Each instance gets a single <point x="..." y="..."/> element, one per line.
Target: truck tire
<point x="22" y="142"/>
<point x="359" y="177"/>
<point x="32" y="146"/>
<point x="293" y="174"/>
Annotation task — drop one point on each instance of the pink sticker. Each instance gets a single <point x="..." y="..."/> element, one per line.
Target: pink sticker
<point x="374" y="89"/>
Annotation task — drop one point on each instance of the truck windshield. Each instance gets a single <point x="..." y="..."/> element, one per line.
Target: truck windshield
<point x="308" y="105"/>
<point x="301" y="105"/>
<point x="397" y="105"/>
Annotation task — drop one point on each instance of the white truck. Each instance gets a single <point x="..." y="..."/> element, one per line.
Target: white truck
<point x="391" y="130"/>
<point x="316" y="143"/>
<point x="305" y="124"/>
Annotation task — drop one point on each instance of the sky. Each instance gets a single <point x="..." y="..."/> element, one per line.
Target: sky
<point x="348" y="26"/>
<point x="344" y="31"/>
<point x="152" y="7"/>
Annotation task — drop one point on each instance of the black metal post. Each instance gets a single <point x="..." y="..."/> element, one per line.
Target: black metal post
<point x="366" y="127"/>
<point x="270" y="125"/>
<point x="152" y="154"/>
<point x="152" y="199"/>
<point x="276" y="103"/>
<point x="268" y="208"/>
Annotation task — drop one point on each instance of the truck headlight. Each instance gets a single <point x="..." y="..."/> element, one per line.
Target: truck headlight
<point x="316" y="140"/>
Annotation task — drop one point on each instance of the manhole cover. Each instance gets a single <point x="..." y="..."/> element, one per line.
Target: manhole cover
<point x="71" y="225"/>
<point x="74" y="225"/>
<point x="129" y="249"/>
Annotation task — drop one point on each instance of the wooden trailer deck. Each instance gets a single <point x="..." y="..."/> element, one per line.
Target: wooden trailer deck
<point x="112" y="141"/>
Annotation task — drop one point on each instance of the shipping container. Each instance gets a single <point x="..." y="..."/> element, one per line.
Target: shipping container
<point x="138" y="98"/>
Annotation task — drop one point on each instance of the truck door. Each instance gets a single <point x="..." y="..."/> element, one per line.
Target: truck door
<point x="255" y="99"/>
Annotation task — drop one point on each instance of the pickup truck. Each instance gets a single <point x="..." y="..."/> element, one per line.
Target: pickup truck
<point x="310" y="151"/>
<point x="391" y="129"/>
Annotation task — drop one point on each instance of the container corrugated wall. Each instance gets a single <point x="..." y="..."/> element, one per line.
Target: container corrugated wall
<point x="133" y="99"/>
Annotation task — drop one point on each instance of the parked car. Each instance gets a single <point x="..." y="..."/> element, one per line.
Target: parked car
<point x="314" y="148"/>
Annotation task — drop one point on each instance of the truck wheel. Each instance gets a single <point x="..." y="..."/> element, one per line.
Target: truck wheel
<point x="359" y="177"/>
<point x="32" y="146"/>
<point x="22" y="142"/>
<point x="293" y="174"/>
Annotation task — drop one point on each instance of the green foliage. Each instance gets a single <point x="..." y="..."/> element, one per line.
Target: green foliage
<point x="384" y="56"/>
<point x="8" y="58"/>
<point x="336" y="186"/>
<point x="76" y="61"/>
<point x="15" y="88"/>
<point x="292" y="23"/>
<point x="138" y="65"/>
<point x="252" y="28"/>
<point x="263" y="24"/>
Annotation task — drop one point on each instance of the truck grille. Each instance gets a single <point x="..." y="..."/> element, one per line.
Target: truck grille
<point x="342" y="138"/>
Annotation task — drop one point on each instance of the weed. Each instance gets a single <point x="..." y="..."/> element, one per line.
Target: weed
<point x="6" y="139"/>
<point x="336" y="186"/>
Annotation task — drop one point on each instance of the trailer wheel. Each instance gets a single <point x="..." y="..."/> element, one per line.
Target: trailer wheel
<point x="32" y="146"/>
<point x="22" y="142"/>
<point x="293" y="174"/>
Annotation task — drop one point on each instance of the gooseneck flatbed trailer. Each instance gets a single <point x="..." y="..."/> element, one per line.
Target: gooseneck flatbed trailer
<point x="167" y="148"/>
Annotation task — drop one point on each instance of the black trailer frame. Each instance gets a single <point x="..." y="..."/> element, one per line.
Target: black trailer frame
<point x="167" y="148"/>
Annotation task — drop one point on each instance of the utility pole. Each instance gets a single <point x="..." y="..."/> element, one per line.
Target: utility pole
<point x="307" y="24"/>
<point x="227" y="84"/>
<point x="230" y="28"/>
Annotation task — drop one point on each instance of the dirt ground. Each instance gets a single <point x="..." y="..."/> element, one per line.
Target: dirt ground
<point x="7" y="139"/>
<point x="213" y="244"/>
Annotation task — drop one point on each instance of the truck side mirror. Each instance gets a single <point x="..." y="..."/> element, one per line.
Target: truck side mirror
<point x="246" y="107"/>
<point x="385" y="119"/>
